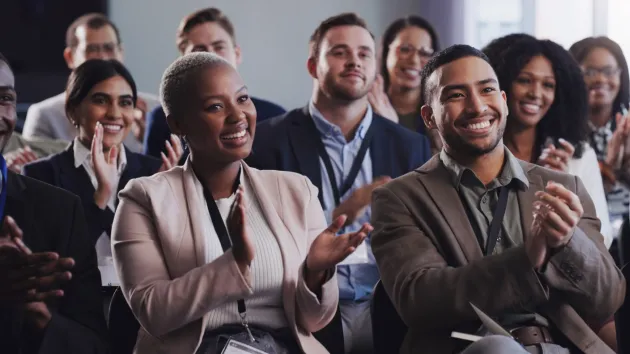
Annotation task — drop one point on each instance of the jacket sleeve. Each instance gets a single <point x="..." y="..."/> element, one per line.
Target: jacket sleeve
<point x="584" y="271"/>
<point x="313" y="312"/>
<point x="161" y="303"/>
<point x="427" y="293"/>
<point x="78" y="323"/>
<point x="156" y="133"/>
<point x="36" y="124"/>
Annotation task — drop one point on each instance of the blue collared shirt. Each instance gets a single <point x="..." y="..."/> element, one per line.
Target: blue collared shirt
<point x="355" y="281"/>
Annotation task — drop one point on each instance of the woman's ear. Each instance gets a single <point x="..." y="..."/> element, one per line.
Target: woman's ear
<point x="173" y="124"/>
<point x="72" y="118"/>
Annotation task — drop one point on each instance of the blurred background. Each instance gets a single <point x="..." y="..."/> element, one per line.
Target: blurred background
<point x="273" y="34"/>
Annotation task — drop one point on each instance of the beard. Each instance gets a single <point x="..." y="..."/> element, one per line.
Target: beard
<point x="342" y="93"/>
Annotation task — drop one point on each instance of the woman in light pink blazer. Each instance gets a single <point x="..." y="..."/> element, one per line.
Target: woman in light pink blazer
<point x="180" y="284"/>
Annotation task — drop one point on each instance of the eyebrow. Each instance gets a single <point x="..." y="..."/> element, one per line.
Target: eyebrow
<point x="243" y="88"/>
<point x="345" y="46"/>
<point x="464" y="86"/>
<point x="110" y="96"/>
<point x="7" y="88"/>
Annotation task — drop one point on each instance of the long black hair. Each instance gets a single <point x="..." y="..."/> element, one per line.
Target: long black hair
<point x="390" y="35"/>
<point x="91" y="73"/>
<point x="581" y="49"/>
<point x="567" y="117"/>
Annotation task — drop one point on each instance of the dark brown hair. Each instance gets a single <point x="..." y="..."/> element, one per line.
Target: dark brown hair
<point x="93" y="21"/>
<point x="344" y="19"/>
<point x="392" y="31"/>
<point x="202" y="16"/>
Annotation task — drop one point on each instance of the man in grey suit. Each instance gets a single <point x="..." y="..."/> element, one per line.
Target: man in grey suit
<point x="91" y="36"/>
<point x="476" y="225"/>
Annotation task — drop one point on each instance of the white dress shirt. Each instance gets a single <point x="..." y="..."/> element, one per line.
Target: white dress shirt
<point x="83" y="157"/>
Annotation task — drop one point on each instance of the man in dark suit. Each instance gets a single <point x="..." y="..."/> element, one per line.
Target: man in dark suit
<point x="476" y="225"/>
<point x="346" y="150"/>
<point x="207" y="30"/>
<point x="49" y="283"/>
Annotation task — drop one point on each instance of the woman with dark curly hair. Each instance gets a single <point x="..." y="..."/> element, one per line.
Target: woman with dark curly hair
<point x="608" y="83"/>
<point x="407" y="45"/>
<point x="547" y="123"/>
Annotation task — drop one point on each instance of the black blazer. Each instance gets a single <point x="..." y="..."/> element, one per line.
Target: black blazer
<point x="52" y="220"/>
<point x="58" y="170"/>
<point x="288" y="143"/>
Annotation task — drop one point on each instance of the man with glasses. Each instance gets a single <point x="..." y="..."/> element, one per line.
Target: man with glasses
<point x="91" y="36"/>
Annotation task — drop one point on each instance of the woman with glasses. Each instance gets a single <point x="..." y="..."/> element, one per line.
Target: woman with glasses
<point x="605" y="73"/>
<point x="408" y="43"/>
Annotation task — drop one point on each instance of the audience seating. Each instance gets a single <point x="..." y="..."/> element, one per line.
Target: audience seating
<point x="123" y="326"/>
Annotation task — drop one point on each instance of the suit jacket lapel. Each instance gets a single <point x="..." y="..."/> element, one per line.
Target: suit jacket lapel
<point x="380" y="152"/>
<point x="526" y="198"/>
<point x="74" y="179"/>
<point x="437" y="181"/>
<point x="18" y="207"/>
<point x="303" y="137"/>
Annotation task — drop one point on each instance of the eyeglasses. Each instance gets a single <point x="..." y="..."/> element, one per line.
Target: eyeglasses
<point x="406" y="51"/>
<point x="607" y="71"/>
<point x="96" y="48"/>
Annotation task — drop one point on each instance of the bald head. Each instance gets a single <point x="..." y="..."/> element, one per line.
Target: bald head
<point x="180" y="77"/>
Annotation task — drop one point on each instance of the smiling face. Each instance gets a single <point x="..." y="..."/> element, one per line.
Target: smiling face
<point x="533" y="92"/>
<point x="602" y="76"/>
<point x="346" y="66"/>
<point x="8" y="101"/>
<point x="218" y="117"/>
<point x="408" y="53"/>
<point x="466" y="106"/>
<point x="110" y="102"/>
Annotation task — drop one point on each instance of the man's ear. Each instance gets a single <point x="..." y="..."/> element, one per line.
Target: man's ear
<point x="311" y="66"/>
<point x="68" y="56"/>
<point x="427" y="116"/>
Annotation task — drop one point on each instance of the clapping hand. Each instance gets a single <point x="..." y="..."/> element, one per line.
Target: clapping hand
<point x="17" y="159"/>
<point x="175" y="151"/>
<point x="105" y="168"/>
<point x="242" y="245"/>
<point x="619" y="137"/>
<point x="380" y="102"/>
<point x="557" y="158"/>
<point x="558" y="211"/>
<point x="329" y="249"/>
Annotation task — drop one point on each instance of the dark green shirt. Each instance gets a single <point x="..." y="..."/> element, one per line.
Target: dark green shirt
<point x="480" y="200"/>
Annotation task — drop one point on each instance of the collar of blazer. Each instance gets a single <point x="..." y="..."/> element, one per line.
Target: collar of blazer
<point x="437" y="182"/>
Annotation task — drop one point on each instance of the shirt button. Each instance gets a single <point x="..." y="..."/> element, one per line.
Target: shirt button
<point x="484" y="199"/>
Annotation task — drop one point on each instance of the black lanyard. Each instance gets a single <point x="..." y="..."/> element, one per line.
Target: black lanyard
<point x="497" y="220"/>
<point x="221" y="230"/>
<point x="354" y="169"/>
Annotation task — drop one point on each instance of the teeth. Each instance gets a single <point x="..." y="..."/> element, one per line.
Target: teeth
<point x="412" y="72"/>
<point x="111" y="127"/>
<point x="235" y="136"/>
<point x="477" y="126"/>
<point x="531" y="108"/>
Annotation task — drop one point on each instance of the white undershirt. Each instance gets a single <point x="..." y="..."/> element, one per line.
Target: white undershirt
<point x="83" y="157"/>
<point x="265" y="307"/>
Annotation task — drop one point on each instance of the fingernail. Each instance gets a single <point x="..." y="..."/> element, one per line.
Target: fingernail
<point x="562" y="140"/>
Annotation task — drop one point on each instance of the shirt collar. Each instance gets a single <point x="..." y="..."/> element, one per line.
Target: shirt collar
<point x="83" y="154"/>
<point x="326" y="128"/>
<point x="512" y="170"/>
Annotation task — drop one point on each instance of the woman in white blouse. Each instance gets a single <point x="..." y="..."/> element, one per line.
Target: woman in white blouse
<point x="172" y="232"/>
<point x="547" y="124"/>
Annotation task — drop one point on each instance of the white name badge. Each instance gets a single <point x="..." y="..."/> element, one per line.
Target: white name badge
<point x="359" y="256"/>
<point x="236" y="347"/>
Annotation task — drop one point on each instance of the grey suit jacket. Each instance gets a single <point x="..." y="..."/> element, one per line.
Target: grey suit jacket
<point x="47" y="119"/>
<point x="432" y="266"/>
